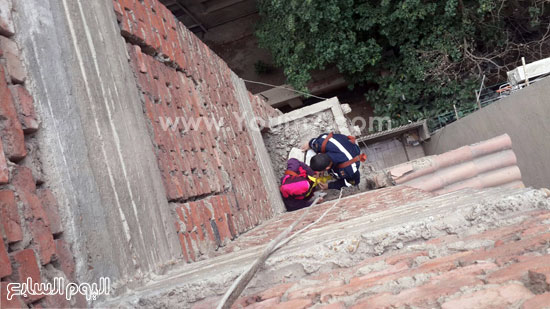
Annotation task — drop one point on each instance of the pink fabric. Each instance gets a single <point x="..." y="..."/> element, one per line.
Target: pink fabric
<point x="294" y="189"/>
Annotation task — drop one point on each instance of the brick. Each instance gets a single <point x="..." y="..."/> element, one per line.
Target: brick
<point x="6" y="21"/>
<point x="43" y="239"/>
<point x="276" y="291"/>
<point x="55" y="301"/>
<point x="25" y="266"/>
<point x="505" y="252"/>
<point x="337" y="305"/>
<point x="220" y="220"/>
<point x="315" y="290"/>
<point x="126" y="25"/>
<point x="10" y="216"/>
<point x="139" y="59"/>
<point x="23" y="180"/>
<point x="518" y="270"/>
<point x="4" y="172"/>
<point x="427" y="294"/>
<point x="207" y="217"/>
<point x="496" y="297"/>
<point x="118" y="11"/>
<point x="541" y="301"/>
<point x="265" y="304"/>
<point x="51" y="208"/>
<point x="183" y="245"/>
<point x="5" y="266"/>
<point x="190" y="249"/>
<point x="445" y="263"/>
<point x="408" y="257"/>
<point x="471" y="270"/>
<point x="196" y="219"/>
<point x="11" y="131"/>
<point x="293" y="304"/>
<point x="37" y="223"/>
<point x="15" y="302"/>
<point x="127" y="4"/>
<point x="535" y="230"/>
<point x="376" y="275"/>
<point x="16" y="71"/>
<point x="24" y="104"/>
<point x="65" y="259"/>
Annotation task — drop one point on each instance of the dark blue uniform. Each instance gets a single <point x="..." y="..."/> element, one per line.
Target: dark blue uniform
<point x="340" y="149"/>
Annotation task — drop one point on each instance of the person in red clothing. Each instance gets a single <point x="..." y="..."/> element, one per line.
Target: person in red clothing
<point x="296" y="186"/>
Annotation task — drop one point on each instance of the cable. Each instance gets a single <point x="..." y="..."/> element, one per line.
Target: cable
<point x="311" y="224"/>
<point x="240" y="284"/>
<point x="281" y="87"/>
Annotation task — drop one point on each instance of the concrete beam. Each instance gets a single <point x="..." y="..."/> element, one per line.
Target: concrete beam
<point x="263" y="159"/>
<point x="278" y="97"/>
<point x="331" y="104"/>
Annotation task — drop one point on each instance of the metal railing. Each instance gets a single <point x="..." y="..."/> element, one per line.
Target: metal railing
<point x="487" y="96"/>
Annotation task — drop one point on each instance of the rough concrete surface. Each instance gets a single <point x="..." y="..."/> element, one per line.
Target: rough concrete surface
<point x="299" y="126"/>
<point x="96" y="151"/>
<point x="281" y="139"/>
<point x="523" y="115"/>
<point x="347" y="243"/>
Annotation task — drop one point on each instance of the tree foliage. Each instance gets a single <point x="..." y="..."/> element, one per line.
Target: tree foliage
<point x="418" y="57"/>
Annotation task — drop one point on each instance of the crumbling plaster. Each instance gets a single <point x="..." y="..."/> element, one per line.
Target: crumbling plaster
<point x="299" y="126"/>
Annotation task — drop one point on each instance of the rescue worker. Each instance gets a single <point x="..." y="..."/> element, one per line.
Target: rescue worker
<point x="340" y="156"/>
<point x="297" y="185"/>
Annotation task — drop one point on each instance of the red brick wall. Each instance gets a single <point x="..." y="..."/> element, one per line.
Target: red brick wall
<point x="262" y="110"/>
<point x="211" y="177"/>
<point x="31" y="241"/>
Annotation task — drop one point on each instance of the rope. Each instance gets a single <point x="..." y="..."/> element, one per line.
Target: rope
<point x="281" y="87"/>
<point x="311" y="224"/>
<point x="242" y="281"/>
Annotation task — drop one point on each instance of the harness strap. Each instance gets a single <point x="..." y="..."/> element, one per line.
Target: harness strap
<point x="362" y="157"/>
<point x="291" y="173"/>
<point x="325" y="142"/>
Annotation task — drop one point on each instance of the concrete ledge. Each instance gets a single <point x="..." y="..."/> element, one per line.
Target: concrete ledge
<point x="331" y="104"/>
<point x="262" y="156"/>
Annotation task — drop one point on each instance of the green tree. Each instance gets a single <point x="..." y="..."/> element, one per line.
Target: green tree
<point x="418" y="57"/>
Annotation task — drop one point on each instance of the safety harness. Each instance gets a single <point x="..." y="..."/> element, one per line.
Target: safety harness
<point x="312" y="180"/>
<point x="361" y="157"/>
<point x="298" y="188"/>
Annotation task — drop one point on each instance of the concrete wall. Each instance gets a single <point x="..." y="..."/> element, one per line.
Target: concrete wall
<point x="32" y="239"/>
<point x="390" y="152"/>
<point x="136" y="198"/>
<point x="523" y="116"/>
<point x="95" y="147"/>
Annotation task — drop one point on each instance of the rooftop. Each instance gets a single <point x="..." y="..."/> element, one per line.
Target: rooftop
<point x="397" y="246"/>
